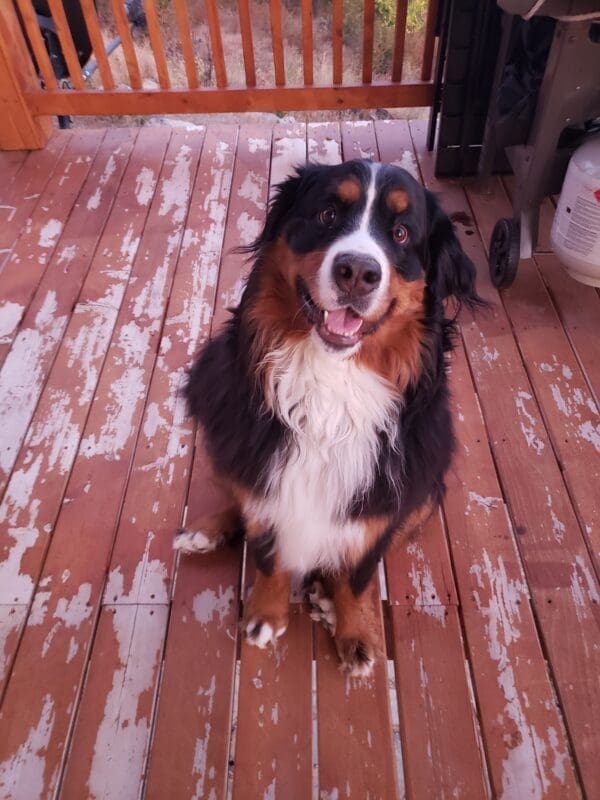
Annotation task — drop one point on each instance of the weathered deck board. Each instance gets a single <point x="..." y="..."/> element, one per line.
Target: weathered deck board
<point x="522" y="729"/>
<point x="61" y="623"/>
<point x="578" y="307"/>
<point x="41" y="234"/>
<point x="19" y="197"/>
<point x="559" y="571"/>
<point x="126" y="677"/>
<point x="115" y="713"/>
<point x="570" y="412"/>
<point x="206" y="594"/>
<point x="33" y="498"/>
<point x="46" y="319"/>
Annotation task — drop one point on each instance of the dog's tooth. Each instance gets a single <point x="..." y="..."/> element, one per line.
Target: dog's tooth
<point x="325" y="315"/>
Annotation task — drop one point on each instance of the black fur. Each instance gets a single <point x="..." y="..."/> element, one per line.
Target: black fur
<point x="242" y="436"/>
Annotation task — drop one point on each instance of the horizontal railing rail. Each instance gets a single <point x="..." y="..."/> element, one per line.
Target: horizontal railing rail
<point x="225" y="56"/>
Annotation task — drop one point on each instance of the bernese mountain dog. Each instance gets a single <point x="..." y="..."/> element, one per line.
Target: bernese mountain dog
<point x="324" y="399"/>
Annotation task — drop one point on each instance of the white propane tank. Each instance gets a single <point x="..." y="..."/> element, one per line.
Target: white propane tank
<point x="575" y="232"/>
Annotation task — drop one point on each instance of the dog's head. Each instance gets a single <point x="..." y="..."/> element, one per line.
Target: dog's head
<point x="348" y="252"/>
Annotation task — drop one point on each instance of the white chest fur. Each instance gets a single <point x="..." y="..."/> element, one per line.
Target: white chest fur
<point x="335" y="409"/>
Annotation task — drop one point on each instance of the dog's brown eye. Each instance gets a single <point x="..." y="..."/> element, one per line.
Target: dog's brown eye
<point x="327" y="216"/>
<point x="400" y="234"/>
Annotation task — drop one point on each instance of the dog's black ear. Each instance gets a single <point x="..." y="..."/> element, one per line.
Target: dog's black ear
<point x="450" y="272"/>
<point x="280" y="205"/>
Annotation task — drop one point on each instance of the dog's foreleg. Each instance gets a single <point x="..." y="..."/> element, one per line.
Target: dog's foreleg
<point x="208" y="533"/>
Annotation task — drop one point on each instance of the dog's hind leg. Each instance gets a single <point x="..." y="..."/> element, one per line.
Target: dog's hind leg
<point x="209" y="532"/>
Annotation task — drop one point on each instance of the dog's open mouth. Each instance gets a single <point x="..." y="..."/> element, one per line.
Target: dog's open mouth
<point x="340" y="327"/>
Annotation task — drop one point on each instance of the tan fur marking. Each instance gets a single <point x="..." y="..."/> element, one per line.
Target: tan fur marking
<point x="398" y="201"/>
<point x="349" y="190"/>
<point x="394" y="351"/>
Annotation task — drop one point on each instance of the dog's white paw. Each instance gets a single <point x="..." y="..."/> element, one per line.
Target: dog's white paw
<point x="322" y="607"/>
<point x="260" y="633"/>
<point x="196" y="542"/>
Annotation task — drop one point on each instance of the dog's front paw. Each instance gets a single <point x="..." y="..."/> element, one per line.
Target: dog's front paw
<point x="196" y="542"/>
<point x="261" y="630"/>
<point x="357" y="657"/>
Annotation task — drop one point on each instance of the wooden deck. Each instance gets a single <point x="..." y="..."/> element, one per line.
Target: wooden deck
<point x="121" y="668"/>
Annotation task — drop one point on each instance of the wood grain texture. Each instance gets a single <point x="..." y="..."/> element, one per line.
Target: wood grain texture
<point x="559" y="571"/>
<point x="187" y="47"/>
<point x="61" y="623"/>
<point x="569" y="409"/>
<point x="46" y="318"/>
<point x="368" y="33"/>
<point x="156" y="44"/>
<point x="20" y="197"/>
<point x="93" y="27"/>
<point x="37" y="43"/>
<point x="216" y="43"/>
<point x="277" y="41"/>
<point x="288" y="98"/>
<point x="59" y="17"/>
<point x="399" y="40"/>
<point x="247" y="42"/>
<point x="122" y="23"/>
<point x="337" y="41"/>
<point x="307" y="42"/>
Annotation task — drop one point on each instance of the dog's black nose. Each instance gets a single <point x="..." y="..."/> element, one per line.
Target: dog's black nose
<point x="356" y="274"/>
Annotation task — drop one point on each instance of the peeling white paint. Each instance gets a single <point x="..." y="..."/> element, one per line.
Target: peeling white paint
<point x="16" y="586"/>
<point x="525" y="767"/>
<point x="487" y="503"/>
<point x="408" y="162"/>
<point x="149" y="584"/>
<point x="22" y="775"/>
<point x="122" y="736"/>
<point x="583" y="587"/>
<point x="528" y="422"/>
<point x="427" y="599"/>
<point x="10" y="316"/>
<point x="174" y="190"/>
<point x="253" y="187"/>
<point x="209" y="604"/>
<point x="327" y="151"/>
<point x="145" y="184"/>
<point x="49" y="233"/>
<point x="109" y="170"/>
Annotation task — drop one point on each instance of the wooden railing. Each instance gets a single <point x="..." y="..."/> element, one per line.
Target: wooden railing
<point x="356" y="63"/>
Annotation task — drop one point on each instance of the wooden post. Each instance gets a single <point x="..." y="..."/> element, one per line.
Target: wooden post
<point x="19" y="129"/>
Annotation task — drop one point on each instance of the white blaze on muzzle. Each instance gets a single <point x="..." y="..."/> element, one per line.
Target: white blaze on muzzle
<point x="358" y="242"/>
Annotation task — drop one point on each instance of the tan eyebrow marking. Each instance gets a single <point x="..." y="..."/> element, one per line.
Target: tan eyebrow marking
<point x="349" y="190"/>
<point x="398" y="201"/>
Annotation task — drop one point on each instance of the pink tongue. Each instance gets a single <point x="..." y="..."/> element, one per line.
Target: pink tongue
<point x="343" y="322"/>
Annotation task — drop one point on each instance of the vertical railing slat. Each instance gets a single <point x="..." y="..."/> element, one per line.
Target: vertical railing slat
<point x="37" y="43"/>
<point x="124" y="32"/>
<point x="399" y="36"/>
<point x="216" y="43"/>
<point x="307" y="41"/>
<point x="93" y="26"/>
<point x="187" y="47"/>
<point x="66" y="43"/>
<point x="427" y="64"/>
<point x="337" y="35"/>
<point x="368" y="33"/>
<point x="247" y="44"/>
<point x="156" y="44"/>
<point x="278" y="62"/>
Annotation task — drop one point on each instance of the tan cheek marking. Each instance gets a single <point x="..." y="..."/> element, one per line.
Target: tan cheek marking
<point x="398" y="201"/>
<point x="349" y="191"/>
